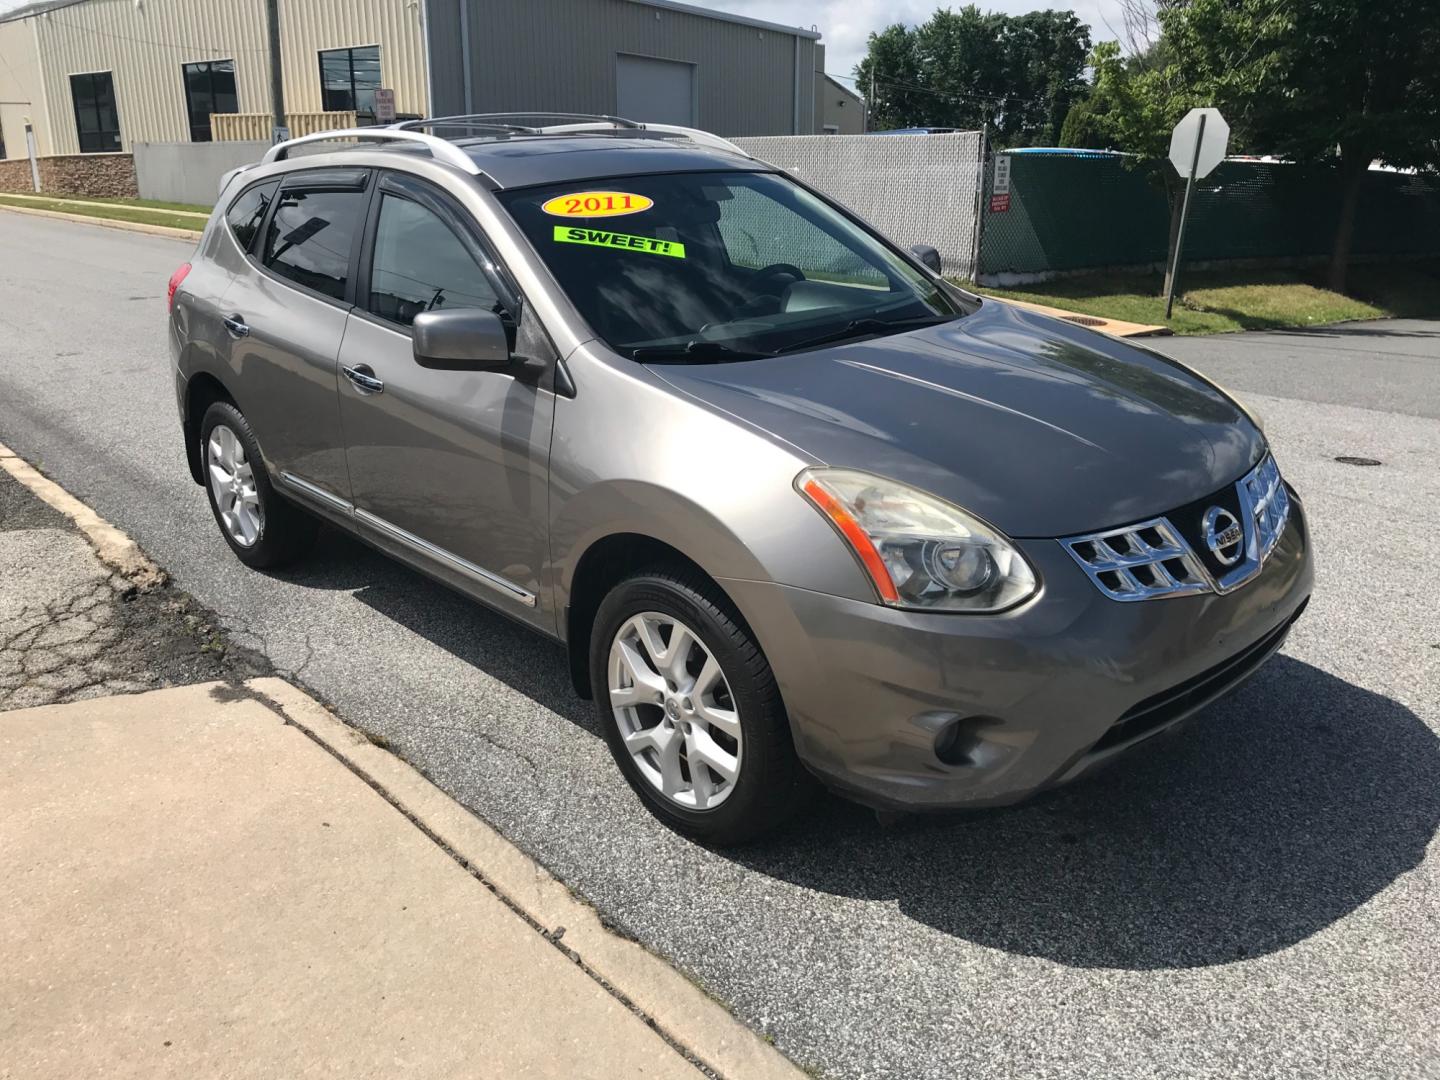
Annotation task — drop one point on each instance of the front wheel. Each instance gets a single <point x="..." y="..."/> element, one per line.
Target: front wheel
<point x="691" y="710"/>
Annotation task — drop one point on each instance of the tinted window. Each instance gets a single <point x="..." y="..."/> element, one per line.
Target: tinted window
<point x="248" y="211"/>
<point x="349" y="79"/>
<point x="421" y="265"/>
<point x="311" y="235"/>
<point x="209" y="88"/>
<point x="96" y="121"/>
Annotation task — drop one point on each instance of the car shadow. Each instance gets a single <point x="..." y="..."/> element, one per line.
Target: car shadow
<point x="1265" y="819"/>
<point x="1257" y="824"/>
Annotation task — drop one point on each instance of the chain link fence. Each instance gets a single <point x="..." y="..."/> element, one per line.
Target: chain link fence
<point x="1078" y="210"/>
<point x="915" y="189"/>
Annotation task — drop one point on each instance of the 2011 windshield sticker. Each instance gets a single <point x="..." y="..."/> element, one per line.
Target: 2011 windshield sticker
<point x="593" y="204"/>
<point x="567" y="234"/>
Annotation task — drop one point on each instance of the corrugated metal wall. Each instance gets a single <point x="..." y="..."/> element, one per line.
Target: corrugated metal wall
<point x="308" y="26"/>
<point x="20" y="83"/>
<point x="143" y="47"/>
<point x="143" y="43"/>
<point x="560" y="54"/>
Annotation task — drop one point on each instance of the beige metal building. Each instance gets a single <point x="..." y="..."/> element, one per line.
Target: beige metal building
<point x="98" y="76"/>
<point x="101" y="75"/>
<point x="842" y="111"/>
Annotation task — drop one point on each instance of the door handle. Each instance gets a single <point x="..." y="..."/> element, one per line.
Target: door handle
<point x="236" y="325"/>
<point x="364" y="379"/>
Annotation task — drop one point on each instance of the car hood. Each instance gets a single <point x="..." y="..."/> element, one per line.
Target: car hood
<point x="1040" y="427"/>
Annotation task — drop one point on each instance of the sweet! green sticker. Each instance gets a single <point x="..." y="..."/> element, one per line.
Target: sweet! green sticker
<point x="567" y="234"/>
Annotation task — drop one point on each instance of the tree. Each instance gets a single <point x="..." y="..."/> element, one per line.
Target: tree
<point x="1319" y="81"/>
<point x="1133" y="106"/>
<point x="1019" y="74"/>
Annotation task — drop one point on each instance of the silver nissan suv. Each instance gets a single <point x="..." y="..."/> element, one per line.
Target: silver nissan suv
<point x="796" y="505"/>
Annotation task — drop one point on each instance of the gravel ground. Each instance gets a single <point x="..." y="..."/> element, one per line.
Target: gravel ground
<point x="1257" y="896"/>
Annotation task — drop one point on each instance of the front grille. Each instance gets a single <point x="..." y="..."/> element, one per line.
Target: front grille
<point x="1184" y="698"/>
<point x="1187" y="550"/>
<point x="1140" y="562"/>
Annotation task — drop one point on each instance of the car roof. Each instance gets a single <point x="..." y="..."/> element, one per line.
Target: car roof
<point x="527" y="160"/>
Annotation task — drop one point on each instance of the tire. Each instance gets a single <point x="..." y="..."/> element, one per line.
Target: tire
<point x="262" y="529"/>
<point x="768" y="783"/>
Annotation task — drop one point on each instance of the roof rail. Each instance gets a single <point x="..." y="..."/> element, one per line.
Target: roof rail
<point x="506" y="121"/>
<point x="440" y="149"/>
<point x="577" y="124"/>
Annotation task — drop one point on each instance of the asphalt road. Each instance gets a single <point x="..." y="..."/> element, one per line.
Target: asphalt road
<point x="1258" y="896"/>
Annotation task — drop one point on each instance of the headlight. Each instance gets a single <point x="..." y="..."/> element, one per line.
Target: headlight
<point x="919" y="551"/>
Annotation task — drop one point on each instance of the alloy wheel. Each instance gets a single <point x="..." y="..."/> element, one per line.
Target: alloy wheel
<point x="232" y="483"/>
<point x="676" y="714"/>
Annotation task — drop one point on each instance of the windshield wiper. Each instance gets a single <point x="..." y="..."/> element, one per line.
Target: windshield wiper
<point x="869" y="325"/>
<point x="696" y="352"/>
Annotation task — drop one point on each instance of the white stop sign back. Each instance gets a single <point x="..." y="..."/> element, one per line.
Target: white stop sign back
<point x="1213" y="142"/>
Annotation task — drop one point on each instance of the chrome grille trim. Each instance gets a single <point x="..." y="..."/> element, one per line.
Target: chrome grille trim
<point x="1127" y="565"/>
<point x="1130" y="563"/>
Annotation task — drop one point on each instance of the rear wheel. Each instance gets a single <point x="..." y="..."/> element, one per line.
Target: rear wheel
<point x="691" y="710"/>
<point x="261" y="528"/>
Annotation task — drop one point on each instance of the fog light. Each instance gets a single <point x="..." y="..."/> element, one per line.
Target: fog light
<point x="957" y="741"/>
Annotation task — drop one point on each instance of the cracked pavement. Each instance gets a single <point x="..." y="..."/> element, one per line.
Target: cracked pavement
<point x="71" y="629"/>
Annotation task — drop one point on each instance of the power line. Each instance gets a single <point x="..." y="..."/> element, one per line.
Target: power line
<point x="923" y="89"/>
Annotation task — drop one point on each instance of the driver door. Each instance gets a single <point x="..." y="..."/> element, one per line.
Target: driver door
<point x="448" y="469"/>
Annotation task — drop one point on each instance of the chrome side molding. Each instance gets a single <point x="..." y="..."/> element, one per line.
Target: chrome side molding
<point x="334" y="502"/>
<point x="477" y="574"/>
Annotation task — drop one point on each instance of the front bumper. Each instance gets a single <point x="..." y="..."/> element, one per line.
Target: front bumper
<point x="1042" y="694"/>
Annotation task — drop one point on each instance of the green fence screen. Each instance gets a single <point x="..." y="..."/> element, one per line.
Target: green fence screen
<point x="1070" y="211"/>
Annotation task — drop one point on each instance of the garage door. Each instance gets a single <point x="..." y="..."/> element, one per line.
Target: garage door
<point x="655" y="91"/>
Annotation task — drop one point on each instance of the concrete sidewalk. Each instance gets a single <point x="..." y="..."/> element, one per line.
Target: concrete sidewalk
<point x="219" y="878"/>
<point x="194" y="887"/>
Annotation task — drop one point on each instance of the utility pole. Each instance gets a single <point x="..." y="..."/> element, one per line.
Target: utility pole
<point x="870" y="101"/>
<point x="279" y="131"/>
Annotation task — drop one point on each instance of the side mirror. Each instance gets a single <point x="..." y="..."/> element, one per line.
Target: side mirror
<point x="927" y="255"/>
<point x="462" y="339"/>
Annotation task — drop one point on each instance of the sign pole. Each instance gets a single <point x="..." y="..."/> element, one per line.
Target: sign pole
<point x="1184" y="217"/>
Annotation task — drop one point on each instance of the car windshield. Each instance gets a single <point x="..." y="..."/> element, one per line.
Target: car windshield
<point x="717" y="266"/>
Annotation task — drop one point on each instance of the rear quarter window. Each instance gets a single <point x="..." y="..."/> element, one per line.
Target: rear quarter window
<point x="247" y="213"/>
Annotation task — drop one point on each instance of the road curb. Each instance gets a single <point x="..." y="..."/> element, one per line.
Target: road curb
<point x="678" y="1009"/>
<point x="109" y="223"/>
<point x="114" y="548"/>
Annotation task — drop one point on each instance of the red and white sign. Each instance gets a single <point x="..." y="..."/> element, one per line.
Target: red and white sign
<point x="999" y="203"/>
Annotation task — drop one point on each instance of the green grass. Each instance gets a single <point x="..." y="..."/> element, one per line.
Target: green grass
<point x="139" y="204"/>
<point x="115" y="211"/>
<point x="1219" y="301"/>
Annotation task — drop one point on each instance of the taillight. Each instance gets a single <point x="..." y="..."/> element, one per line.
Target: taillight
<point x="175" y="279"/>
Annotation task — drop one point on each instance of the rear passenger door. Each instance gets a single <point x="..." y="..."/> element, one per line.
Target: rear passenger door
<point x="285" y="320"/>
<point x="448" y="468"/>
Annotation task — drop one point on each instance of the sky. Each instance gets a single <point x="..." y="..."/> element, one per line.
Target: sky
<point x="846" y="24"/>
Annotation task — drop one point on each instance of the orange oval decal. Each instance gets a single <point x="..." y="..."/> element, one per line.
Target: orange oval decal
<point x="593" y="204"/>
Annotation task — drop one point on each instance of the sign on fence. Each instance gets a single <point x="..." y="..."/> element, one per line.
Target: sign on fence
<point x="1002" y="176"/>
<point x="999" y="203"/>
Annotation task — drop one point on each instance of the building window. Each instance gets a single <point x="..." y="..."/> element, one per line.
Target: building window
<point x="209" y="88"/>
<point x="349" y="79"/>
<point x="95" y="118"/>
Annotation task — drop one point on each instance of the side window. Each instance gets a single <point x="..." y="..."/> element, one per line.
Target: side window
<point x="248" y="211"/>
<point x="757" y="233"/>
<point x="421" y="265"/>
<point x="311" y="235"/>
